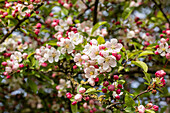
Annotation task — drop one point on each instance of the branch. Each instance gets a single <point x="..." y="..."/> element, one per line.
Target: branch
<point x="85" y="11"/>
<point x="95" y="12"/>
<point x="160" y="8"/>
<point x="19" y="23"/>
<point x="141" y="94"/>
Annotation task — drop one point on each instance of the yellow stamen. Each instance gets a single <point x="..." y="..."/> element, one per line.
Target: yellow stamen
<point x="91" y="73"/>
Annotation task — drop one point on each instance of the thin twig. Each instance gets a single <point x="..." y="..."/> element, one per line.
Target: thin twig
<point x="146" y="91"/>
<point x="19" y="23"/>
<point x="95" y="12"/>
<point x="160" y="8"/>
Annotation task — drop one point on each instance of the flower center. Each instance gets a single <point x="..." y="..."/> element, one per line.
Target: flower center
<point x="53" y="55"/>
<point x="62" y="27"/>
<point x="67" y="46"/>
<point x="96" y="52"/>
<point x="107" y="59"/>
<point x="113" y="47"/>
<point x="91" y="73"/>
<point x="163" y="49"/>
<point x="74" y="39"/>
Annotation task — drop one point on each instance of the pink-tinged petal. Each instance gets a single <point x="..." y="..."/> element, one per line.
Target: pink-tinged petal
<point x="114" y="41"/>
<point x="105" y="66"/>
<point x="163" y="54"/>
<point x="159" y="50"/>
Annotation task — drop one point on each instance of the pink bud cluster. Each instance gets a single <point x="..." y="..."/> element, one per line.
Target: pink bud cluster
<point x="149" y="106"/>
<point x="160" y="74"/>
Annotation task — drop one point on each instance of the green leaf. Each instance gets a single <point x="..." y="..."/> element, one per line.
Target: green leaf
<point x="145" y="53"/>
<point x="141" y="65"/>
<point x="140" y="46"/>
<point x="120" y="68"/>
<point x="91" y="90"/>
<point x="74" y="108"/>
<point x="96" y="26"/>
<point x="127" y="12"/>
<point x="129" y="101"/>
<point x="32" y="85"/>
<point x="100" y="40"/>
<point x="24" y="9"/>
<point x="149" y="111"/>
<point x="30" y="55"/>
<point x="147" y="77"/>
<point x="121" y="81"/>
<point x="129" y="109"/>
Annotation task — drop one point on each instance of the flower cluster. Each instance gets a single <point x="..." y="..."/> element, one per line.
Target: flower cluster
<point x="47" y="53"/>
<point x="163" y="48"/>
<point x="159" y="80"/>
<point x="98" y="58"/>
<point x="149" y="106"/>
<point x="63" y="84"/>
<point x="14" y="63"/>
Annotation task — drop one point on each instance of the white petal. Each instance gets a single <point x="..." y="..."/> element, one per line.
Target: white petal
<point x="50" y="59"/>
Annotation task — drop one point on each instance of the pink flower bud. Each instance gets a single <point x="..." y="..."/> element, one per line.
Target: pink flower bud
<point x="82" y="90"/>
<point x="117" y="97"/>
<point x="157" y="46"/>
<point x="18" y="71"/>
<point x="78" y="97"/>
<point x="161" y="35"/>
<point x="118" y="91"/>
<point x="28" y="15"/>
<point x="67" y="6"/>
<point x="75" y="67"/>
<point x="160" y="73"/>
<point x="118" y="57"/>
<point x="147" y="34"/>
<point x="85" y="105"/>
<point x="53" y="75"/>
<point x="74" y="103"/>
<point x="4" y="63"/>
<point x="111" y="87"/>
<point x="69" y="96"/>
<point x="155" y="107"/>
<point x="36" y="31"/>
<point x="5" y="14"/>
<point x="156" y="53"/>
<point x="119" y="86"/>
<point x="5" y="73"/>
<point x="104" y="90"/>
<point x="21" y="65"/>
<point x="58" y="87"/>
<point x="87" y="98"/>
<point x="8" y="76"/>
<point x="114" y="54"/>
<point x="116" y="77"/>
<point x="94" y="109"/>
<point x="106" y="83"/>
<point x="91" y="111"/>
<point x="44" y="64"/>
<point x="38" y="25"/>
<point x="168" y="55"/>
<point x="96" y="79"/>
<point x="149" y="105"/>
<point x="141" y="109"/>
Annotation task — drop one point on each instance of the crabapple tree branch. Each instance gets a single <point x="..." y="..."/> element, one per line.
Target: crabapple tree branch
<point x="19" y="23"/>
